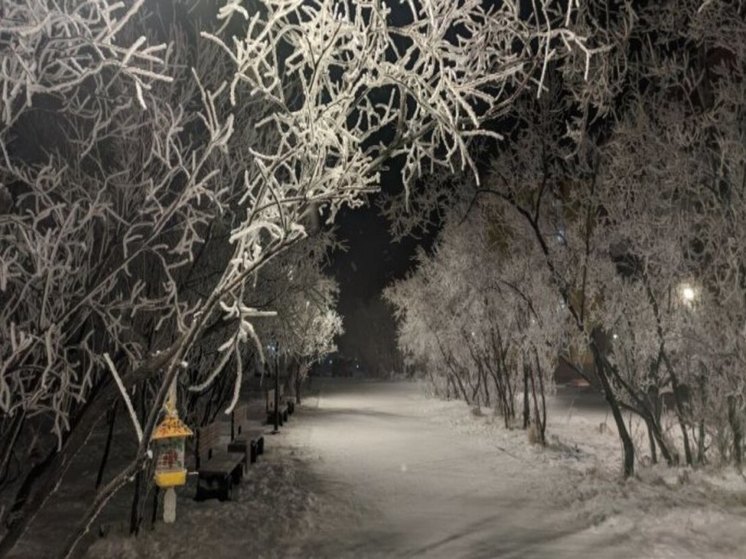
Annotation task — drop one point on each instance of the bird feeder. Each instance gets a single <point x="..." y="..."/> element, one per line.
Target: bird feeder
<point x="169" y="439"/>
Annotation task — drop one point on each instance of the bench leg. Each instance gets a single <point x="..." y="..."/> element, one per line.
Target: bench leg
<point x="237" y="473"/>
<point x="225" y="491"/>
<point x="285" y="416"/>
<point x="260" y="446"/>
<point x="253" y="451"/>
<point x="202" y="491"/>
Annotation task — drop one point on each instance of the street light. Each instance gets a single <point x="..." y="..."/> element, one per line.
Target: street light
<point x="688" y="293"/>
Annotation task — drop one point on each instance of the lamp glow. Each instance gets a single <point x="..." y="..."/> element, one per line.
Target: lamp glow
<point x="688" y="294"/>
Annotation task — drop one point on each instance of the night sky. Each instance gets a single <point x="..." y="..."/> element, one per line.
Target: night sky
<point x="372" y="260"/>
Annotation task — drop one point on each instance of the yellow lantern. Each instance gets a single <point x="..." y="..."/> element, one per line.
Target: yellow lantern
<point x="169" y="439"/>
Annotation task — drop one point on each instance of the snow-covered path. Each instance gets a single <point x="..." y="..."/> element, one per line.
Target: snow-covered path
<point x="422" y="490"/>
<point x="373" y="470"/>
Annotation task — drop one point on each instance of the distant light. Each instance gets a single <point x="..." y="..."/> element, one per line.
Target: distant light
<point x="687" y="293"/>
<point x="615" y="336"/>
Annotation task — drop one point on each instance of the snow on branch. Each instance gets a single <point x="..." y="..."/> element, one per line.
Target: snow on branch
<point x="125" y="396"/>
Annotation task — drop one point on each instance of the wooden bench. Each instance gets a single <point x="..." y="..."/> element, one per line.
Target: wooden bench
<point x="218" y="469"/>
<point x="282" y="411"/>
<point x="247" y="435"/>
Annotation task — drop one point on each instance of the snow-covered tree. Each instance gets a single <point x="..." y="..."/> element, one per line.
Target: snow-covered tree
<point x="629" y="185"/>
<point x="475" y="317"/>
<point x="307" y="322"/>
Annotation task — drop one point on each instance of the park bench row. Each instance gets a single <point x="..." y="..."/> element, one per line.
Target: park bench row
<point x="221" y="464"/>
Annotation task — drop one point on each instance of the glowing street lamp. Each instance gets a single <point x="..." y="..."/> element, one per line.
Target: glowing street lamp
<point x="688" y="294"/>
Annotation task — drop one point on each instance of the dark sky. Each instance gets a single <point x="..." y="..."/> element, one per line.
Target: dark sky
<point x="372" y="260"/>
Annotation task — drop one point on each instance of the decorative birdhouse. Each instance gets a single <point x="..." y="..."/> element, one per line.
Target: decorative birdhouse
<point x="169" y="439"/>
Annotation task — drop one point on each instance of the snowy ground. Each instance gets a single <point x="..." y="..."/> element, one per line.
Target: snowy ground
<point x="373" y="469"/>
<point x="434" y="480"/>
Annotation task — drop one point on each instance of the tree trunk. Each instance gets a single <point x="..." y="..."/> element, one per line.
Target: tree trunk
<point x="107" y="447"/>
<point x="537" y="418"/>
<point x="501" y="402"/>
<point x="10" y="443"/>
<point x="737" y="429"/>
<point x="137" y="490"/>
<point x="485" y="384"/>
<point x="651" y="441"/>
<point x="298" y="385"/>
<point x="702" y="382"/>
<point x="628" y="447"/>
<point x="543" y="398"/>
<point x="135" y="508"/>
<point x="679" y="405"/>
<point x="701" y="443"/>
<point x="154" y="516"/>
<point x="511" y="396"/>
<point x="526" y="405"/>
<point x="670" y="456"/>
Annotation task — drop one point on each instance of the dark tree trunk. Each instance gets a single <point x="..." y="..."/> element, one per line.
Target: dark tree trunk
<point x="537" y="416"/>
<point x="500" y="389"/>
<point x="628" y="447"/>
<point x="485" y="384"/>
<point x="543" y="398"/>
<point x="107" y="447"/>
<point x="135" y="508"/>
<point x="137" y="490"/>
<point x="154" y="516"/>
<point x="701" y="450"/>
<point x="679" y="405"/>
<point x="651" y="441"/>
<point x="511" y="396"/>
<point x="737" y="430"/>
<point x="10" y="443"/>
<point x="526" y="405"/>
<point x="671" y="457"/>
<point x="701" y="443"/>
<point x="298" y="385"/>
